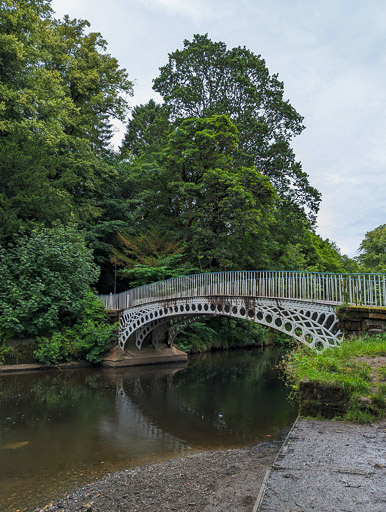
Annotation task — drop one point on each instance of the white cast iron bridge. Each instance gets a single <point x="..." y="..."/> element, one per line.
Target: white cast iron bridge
<point x="300" y="304"/>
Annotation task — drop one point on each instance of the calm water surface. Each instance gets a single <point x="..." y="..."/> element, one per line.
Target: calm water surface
<point x="59" y="430"/>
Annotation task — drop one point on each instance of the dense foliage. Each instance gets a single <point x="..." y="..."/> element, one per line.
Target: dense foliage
<point x="207" y="181"/>
<point x="59" y="90"/>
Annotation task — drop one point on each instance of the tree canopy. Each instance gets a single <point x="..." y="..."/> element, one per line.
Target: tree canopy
<point x="206" y="78"/>
<point x="59" y="90"/>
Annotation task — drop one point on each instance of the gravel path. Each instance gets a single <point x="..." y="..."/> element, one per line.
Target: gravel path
<point x="328" y="466"/>
<point x="220" y="481"/>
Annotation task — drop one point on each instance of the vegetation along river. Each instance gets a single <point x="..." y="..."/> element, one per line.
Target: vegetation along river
<point x="59" y="430"/>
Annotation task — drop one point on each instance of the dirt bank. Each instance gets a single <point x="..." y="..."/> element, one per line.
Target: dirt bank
<point x="221" y="481"/>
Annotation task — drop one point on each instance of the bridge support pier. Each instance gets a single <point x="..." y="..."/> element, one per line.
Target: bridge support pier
<point x="360" y="320"/>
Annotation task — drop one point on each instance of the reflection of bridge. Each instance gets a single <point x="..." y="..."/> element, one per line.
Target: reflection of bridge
<point x="131" y="419"/>
<point x="300" y="304"/>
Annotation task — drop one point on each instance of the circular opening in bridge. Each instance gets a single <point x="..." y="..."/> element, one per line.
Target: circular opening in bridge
<point x="319" y="346"/>
<point x="308" y="314"/>
<point x="288" y="327"/>
<point x="212" y="307"/>
<point x="308" y="338"/>
<point x="242" y="311"/>
<point x="199" y="307"/>
<point x="322" y="318"/>
<point x="187" y="307"/>
<point x="260" y="315"/>
<point x="142" y="319"/>
<point x="181" y="308"/>
<point x="160" y="312"/>
<point x="268" y="319"/>
<point x="193" y="307"/>
<point x="151" y="315"/>
<point x="278" y="322"/>
<point x="234" y="310"/>
<point x="314" y="316"/>
<point x="147" y="317"/>
<point x="206" y="307"/>
<point x="227" y="309"/>
<point x="219" y="307"/>
<point x="251" y="313"/>
<point x="165" y="311"/>
<point x="175" y="309"/>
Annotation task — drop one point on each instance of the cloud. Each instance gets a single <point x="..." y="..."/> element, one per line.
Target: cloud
<point x="197" y="10"/>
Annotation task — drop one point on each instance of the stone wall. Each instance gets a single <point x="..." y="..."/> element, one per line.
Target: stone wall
<point x="359" y="320"/>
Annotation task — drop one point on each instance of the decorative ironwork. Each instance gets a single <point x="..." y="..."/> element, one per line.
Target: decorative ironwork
<point x="300" y="304"/>
<point x="311" y="323"/>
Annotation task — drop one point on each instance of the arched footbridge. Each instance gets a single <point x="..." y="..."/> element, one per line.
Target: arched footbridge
<point x="300" y="304"/>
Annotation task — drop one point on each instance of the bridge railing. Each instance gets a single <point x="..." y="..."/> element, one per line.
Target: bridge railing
<point x="357" y="289"/>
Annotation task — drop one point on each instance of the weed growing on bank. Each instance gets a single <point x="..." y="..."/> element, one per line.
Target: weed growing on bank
<point x="356" y="370"/>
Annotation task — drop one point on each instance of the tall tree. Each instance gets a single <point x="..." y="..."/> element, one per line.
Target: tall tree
<point x="206" y="78"/>
<point x="220" y="211"/>
<point x="58" y="91"/>
<point x="147" y="130"/>
<point x="373" y="250"/>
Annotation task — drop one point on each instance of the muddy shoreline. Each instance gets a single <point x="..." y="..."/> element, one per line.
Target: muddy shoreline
<point x="218" y="481"/>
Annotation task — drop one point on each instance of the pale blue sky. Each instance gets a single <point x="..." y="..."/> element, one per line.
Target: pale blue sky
<point x="331" y="56"/>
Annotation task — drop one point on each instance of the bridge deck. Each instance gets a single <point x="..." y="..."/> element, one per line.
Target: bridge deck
<point x="352" y="289"/>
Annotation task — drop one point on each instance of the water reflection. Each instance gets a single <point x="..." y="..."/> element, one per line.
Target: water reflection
<point x="58" y="430"/>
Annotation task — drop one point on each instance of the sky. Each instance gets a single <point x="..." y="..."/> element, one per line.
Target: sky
<point x="331" y="56"/>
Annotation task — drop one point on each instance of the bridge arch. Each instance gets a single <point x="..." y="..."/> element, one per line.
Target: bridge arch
<point x="315" y="325"/>
<point x="300" y="304"/>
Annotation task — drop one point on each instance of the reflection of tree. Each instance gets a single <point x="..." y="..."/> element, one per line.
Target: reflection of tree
<point x="218" y="398"/>
<point x="55" y="395"/>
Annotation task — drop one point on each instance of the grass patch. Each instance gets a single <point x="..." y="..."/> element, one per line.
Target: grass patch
<point x="356" y="368"/>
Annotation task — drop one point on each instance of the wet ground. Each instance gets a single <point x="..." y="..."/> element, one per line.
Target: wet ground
<point x="220" y="481"/>
<point x="329" y="466"/>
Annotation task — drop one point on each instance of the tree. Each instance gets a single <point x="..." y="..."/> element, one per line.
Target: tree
<point x="58" y="91"/>
<point x="373" y="249"/>
<point x="147" y="130"/>
<point x="205" y="79"/>
<point x="220" y="212"/>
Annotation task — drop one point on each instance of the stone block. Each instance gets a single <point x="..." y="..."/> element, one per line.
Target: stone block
<point x="349" y="325"/>
<point x="378" y="316"/>
<point x="371" y="324"/>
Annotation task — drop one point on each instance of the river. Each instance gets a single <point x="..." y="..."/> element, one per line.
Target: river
<point x="62" y="429"/>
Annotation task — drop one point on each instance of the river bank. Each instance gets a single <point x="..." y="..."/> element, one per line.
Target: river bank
<point x="219" y="481"/>
<point x="323" y="465"/>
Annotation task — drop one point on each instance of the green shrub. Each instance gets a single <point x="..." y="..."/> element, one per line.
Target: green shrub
<point x="44" y="277"/>
<point x="88" y="338"/>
